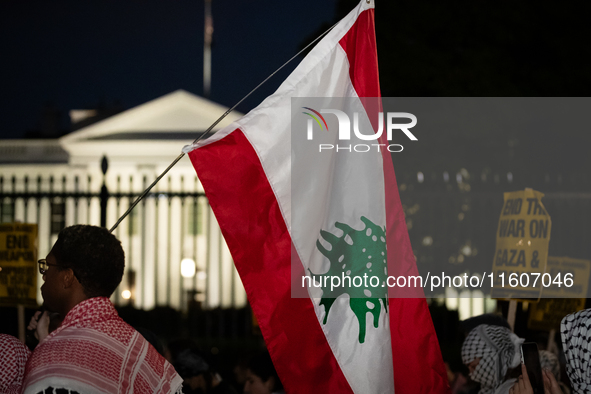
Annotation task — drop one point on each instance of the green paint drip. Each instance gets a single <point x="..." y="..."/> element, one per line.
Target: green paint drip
<point x="355" y="253"/>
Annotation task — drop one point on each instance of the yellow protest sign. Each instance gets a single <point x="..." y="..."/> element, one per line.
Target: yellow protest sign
<point x="561" y="297"/>
<point x="569" y="278"/>
<point x="18" y="259"/>
<point x="547" y="314"/>
<point x="521" y="252"/>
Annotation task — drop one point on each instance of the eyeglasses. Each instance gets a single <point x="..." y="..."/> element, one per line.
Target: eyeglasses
<point x="44" y="266"/>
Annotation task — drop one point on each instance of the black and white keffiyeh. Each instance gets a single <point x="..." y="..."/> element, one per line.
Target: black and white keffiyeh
<point x="575" y="330"/>
<point x="549" y="361"/>
<point x="498" y="350"/>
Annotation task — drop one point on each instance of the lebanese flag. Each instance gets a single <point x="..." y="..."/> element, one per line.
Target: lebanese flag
<point x="285" y="210"/>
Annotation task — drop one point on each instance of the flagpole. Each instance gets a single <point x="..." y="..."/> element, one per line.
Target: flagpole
<point x="179" y="157"/>
<point x="207" y="39"/>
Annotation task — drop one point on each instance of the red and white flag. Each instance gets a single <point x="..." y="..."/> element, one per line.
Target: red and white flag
<point x="254" y="174"/>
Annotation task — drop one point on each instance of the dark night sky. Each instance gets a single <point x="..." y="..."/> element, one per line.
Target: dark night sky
<point x="75" y="54"/>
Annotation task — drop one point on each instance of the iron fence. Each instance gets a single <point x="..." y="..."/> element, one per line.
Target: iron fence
<point x="451" y="218"/>
<point x="172" y="225"/>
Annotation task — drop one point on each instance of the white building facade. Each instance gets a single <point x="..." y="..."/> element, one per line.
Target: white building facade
<point x="58" y="183"/>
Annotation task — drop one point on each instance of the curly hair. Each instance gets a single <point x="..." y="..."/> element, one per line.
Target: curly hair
<point x="94" y="255"/>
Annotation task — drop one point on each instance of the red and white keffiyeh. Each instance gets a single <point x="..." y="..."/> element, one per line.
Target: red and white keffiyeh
<point x="13" y="358"/>
<point x="95" y="351"/>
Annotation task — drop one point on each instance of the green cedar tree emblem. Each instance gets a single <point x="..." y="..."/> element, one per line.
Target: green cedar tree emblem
<point x="355" y="253"/>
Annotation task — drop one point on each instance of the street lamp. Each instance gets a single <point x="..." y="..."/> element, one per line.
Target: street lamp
<point x="188" y="268"/>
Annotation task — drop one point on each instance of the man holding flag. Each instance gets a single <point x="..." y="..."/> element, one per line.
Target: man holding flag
<point x="288" y="211"/>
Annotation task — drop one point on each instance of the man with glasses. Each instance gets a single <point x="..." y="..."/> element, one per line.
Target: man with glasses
<point x="93" y="350"/>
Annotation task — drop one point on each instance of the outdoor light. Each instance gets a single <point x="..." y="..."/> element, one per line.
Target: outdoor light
<point x="200" y="297"/>
<point x="467" y="250"/>
<point x="188" y="268"/>
<point x="428" y="240"/>
<point x="126" y="294"/>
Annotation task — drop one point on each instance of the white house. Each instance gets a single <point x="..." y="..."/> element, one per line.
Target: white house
<point x="56" y="183"/>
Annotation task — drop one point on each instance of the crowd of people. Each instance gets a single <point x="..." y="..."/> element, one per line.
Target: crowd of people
<point x="493" y="357"/>
<point x="83" y="346"/>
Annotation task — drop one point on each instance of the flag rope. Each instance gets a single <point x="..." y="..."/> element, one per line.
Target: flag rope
<point x="179" y="157"/>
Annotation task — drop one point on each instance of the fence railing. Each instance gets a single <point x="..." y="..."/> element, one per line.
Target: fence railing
<point x="451" y="217"/>
<point x="172" y="226"/>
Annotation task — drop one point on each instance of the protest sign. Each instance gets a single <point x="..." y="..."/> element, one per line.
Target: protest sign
<point x="521" y="250"/>
<point x="18" y="259"/>
<point x="547" y="314"/>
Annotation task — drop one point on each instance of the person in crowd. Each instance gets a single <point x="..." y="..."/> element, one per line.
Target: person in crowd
<point x="93" y="350"/>
<point x="153" y="339"/>
<point x="492" y="355"/>
<point x="491" y="319"/>
<point x="523" y="385"/>
<point x="13" y="358"/>
<point x="239" y="372"/>
<point x="198" y="376"/>
<point x="575" y="332"/>
<point x="261" y="377"/>
<point x="549" y="361"/>
<point x="41" y="325"/>
<point x="458" y="382"/>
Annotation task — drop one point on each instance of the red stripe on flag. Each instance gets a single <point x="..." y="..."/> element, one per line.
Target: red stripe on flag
<point x="418" y="365"/>
<point x="255" y="231"/>
<point x="358" y="42"/>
